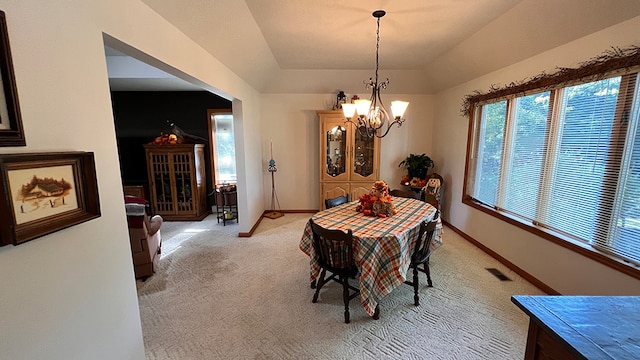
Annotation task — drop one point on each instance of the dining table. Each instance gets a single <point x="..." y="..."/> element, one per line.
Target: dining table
<point x="382" y="246"/>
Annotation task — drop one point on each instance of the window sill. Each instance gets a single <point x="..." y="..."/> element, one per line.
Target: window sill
<point x="564" y="241"/>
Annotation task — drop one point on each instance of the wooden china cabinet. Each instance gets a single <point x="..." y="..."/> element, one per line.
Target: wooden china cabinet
<point x="349" y="162"/>
<point x="177" y="181"/>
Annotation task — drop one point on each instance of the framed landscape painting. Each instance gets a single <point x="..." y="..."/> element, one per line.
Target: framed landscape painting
<point x="45" y="192"/>
<point x="11" y="132"/>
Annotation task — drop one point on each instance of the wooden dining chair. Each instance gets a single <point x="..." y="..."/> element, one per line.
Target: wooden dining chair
<point x="329" y="203"/>
<point x="335" y="254"/>
<point x="405" y="194"/>
<point x="421" y="255"/>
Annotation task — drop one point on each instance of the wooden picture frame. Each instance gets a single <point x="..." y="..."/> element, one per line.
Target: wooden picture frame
<point x="11" y="132"/>
<point x="45" y="192"/>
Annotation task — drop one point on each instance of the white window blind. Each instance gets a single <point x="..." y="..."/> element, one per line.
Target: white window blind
<point x="525" y="153"/>
<point x="567" y="160"/>
<point x="579" y="187"/>
<point x="624" y="231"/>
<point x="489" y="155"/>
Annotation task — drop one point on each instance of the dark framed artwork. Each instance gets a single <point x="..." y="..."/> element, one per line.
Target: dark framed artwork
<point x="11" y="132"/>
<point x="45" y="192"/>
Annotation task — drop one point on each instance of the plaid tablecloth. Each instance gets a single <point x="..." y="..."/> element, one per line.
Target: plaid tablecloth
<point x="382" y="246"/>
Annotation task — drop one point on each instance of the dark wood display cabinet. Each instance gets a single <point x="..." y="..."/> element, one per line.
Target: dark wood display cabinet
<point x="177" y="177"/>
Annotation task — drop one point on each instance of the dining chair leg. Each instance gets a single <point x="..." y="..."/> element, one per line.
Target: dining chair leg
<point x="376" y="313"/>
<point x="319" y="286"/>
<point x="345" y="297"/>
<point x="427" y="271"/>
<point x="416" y="300"/>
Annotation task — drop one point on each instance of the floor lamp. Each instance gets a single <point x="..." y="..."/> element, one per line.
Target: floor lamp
<point x="273" y="214"/>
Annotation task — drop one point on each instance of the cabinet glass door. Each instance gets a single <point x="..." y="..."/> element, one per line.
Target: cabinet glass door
<point x="182" y="174"/>
<point x="363" y="154"/>
<point x="162" y="183"/>
<point x="336" y="151"/>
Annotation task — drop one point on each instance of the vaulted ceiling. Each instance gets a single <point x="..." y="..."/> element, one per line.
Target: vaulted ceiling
<point x="282" y="46"/>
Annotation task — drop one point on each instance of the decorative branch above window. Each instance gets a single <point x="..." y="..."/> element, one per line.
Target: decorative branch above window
<point x="597" y="68"/>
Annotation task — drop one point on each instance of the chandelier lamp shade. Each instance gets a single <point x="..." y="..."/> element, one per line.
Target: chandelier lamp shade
<point x="372" y="118"/>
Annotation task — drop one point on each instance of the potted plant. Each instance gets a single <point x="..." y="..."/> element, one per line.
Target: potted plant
<point x="417" y="165"/>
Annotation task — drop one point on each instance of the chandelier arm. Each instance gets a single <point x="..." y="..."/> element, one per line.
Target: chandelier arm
<point x="374" y="104"/>
<point x="397" y="121"/>
<point x="348" y="120"/>
<point x="369" y="132"/>
<point x="384" y="134"/>
<point x="361" y="122"/>
<point x="384" y="119"/>
<point x="366" y="131"/>
<point x="377" y="110"/>
<point x="358" y="125"/>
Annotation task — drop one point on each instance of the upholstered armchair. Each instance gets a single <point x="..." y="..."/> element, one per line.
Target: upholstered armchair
<point x="144" y="236"/>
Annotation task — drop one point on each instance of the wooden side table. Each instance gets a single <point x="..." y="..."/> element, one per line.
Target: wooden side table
<point x="226" y="205"/>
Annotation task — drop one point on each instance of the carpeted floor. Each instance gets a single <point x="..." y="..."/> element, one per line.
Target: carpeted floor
<point x="218" y="296"/>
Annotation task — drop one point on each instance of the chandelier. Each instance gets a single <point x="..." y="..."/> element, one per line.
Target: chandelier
<point x="373" y="119"/>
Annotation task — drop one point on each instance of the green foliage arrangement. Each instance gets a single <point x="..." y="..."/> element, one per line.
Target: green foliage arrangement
<point x="417" y="165"/>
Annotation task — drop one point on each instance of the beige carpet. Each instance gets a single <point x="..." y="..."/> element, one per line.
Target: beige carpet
<point x="218" y="296"/>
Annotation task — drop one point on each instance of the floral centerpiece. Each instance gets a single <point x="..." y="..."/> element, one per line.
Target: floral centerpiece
<point x="414" y="182"/>
<point x="377" y="202"/>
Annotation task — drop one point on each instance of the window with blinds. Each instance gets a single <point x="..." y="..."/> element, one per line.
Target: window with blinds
<point x="566" y="159"/>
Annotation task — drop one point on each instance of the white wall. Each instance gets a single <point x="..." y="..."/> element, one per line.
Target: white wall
<point x="565" y="271"/>
<point x="291" y="122"/>
<point x="72" y="294"/>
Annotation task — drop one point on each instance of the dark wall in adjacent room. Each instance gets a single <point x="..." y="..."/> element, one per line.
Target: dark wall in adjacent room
<point x="140" y="116"/>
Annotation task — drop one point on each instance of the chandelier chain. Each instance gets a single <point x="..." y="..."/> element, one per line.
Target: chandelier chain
<point x="377" y="48"/>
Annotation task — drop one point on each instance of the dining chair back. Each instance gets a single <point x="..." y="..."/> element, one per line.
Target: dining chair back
<point x="421" y="255"/>
<point x="405" y="194"/>
<point x="329" y="203"/>
<point x="334" y="249"/>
